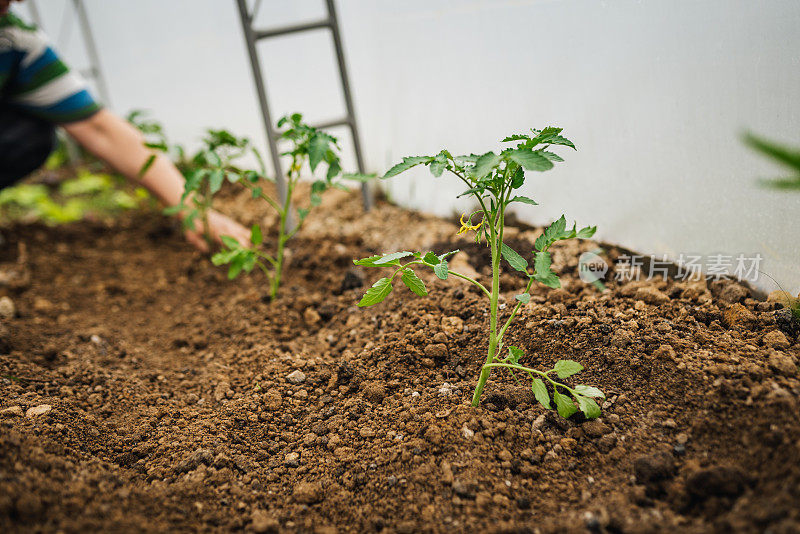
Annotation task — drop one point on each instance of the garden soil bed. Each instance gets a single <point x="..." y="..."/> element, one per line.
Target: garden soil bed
<point x="180" y="401"/>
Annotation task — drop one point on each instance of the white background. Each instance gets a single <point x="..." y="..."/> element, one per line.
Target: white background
<point x="655" y="94"/>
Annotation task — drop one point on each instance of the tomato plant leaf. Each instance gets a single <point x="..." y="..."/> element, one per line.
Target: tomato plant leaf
<point x="256" y="237"/>
<point x="413" y="282"/>
<point x="441" y="270"/>
<point x="407" y="163"/>
<point x="589" y="391"/>
<point x="524" y="200"/>
<point x="564" y="404"/>
<point x="484" y="165"/>
<point x="514" y="259"/>
<point x="532" y="161"/>
<point x="375" y="294"/>
<point x="588" y="406"/>
<point x="523" y="297"/>
<point x="540" y="392"/>
<point x="392" y="258"/>
<point x="567" y="368"/>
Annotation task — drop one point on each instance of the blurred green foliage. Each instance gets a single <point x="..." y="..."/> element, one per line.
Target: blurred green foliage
<point x="86" y="196"/>
<point x="787" y="156"/>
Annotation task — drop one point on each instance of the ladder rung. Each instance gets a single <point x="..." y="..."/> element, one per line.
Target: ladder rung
<point x="330" y="124"/>
<point x="321" y="126"/>
<point x="285" y="30"/>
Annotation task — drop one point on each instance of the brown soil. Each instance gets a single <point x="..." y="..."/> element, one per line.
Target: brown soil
<point x="171" y="409"/>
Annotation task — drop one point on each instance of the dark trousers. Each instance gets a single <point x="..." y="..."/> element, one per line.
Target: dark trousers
<point x="25" y="144"/>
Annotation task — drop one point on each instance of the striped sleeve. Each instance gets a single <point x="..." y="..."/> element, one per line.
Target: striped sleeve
<point x="41" y="83"/>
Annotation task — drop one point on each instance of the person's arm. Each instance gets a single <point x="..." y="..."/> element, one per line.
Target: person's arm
<point x="119" y="144"/>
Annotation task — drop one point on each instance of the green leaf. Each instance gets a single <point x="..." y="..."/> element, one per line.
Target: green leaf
<point x="393" y="257"/>
<point x="212" y="158"/>
<point x="223" y="257"/>
<point x="147" y="164"/>
<point x="515" y="137"/>
<point x="437" y="167"/>
<point x="567" y="368"/>
<point x="446" y="255"/>
<point x="557" y="230"/>
<point x="367" y="261"/>
<point x="441" y="270"/>
<point x="564" y="405"/>
<point x="516" y="353"/>
<point x="173" y="210"/>
<point x="540" y="392"/>
<point x="524" y="200"/>
<point x="317" y="147"/>
<point x="256" y="237"/>
<point x="532" y="161"/>
<point x="513" y="258"/>
<point x="552" y="156"/>
<point x="485" y="164"/>
<point x="413" y="282"/>
<point x="237" y="263"/>
<point x="518" y="179"/>
<point x="375" y="294"/>
<point x="256" y="192"/>
<point x="559" y="140"/>
<point x="333" y="169"/>
<point x="544" y="274"/>
<point x="586" y="233"/>
<point x="472" y="191"/>
<point x="541" y="263"/>
<point x="407" y="163"/>
<point x="589" y="391"/>
<point x="431" y="258"/>
<point x="215" y="180"/>
<point x="551" y="280"/>
<point x="230" y="242"/>
<point x="783" y="154"/>
<point x="588" y="406"/>
<point x="523" y="297"/>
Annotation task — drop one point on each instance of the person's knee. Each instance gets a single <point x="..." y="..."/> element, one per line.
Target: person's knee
<point x="25" y="144"/>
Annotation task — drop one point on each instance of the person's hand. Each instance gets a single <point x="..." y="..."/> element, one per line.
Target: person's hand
<point x="218" y="225"/>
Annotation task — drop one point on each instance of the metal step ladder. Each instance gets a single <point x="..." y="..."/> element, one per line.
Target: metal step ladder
<point x="253" y="36"/>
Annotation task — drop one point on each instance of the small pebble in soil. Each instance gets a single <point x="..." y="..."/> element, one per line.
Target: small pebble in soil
<point x="782" y="363"/>
<point x="308" y="493"/>
<point x="595" y="428"/>
<point x="296" y="377"/>
<point x="36" y="411"/>
<point x="436" y="350"/>
<point x="445" y="390"/>
<point x="263" y="523"/>
<point x="775" y="340"/>
<point x="292" y="459"/>
<point x="7" y="308"/>
<point x="11" y="411"/>
<point x="651" y="295"/>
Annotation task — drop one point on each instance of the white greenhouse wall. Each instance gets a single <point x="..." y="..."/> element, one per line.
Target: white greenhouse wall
<point x="654" y="93"/>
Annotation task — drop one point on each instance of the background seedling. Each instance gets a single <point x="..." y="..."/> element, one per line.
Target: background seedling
<point x="308" y="145"/>
<point x="492" y="180"/>
<point x="784" y="155"/>
<point x="205" y="174"/>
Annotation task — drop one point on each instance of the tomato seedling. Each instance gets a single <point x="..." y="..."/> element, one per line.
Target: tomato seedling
<point x="308" y="145"/>
<point x="492" y="180"/>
